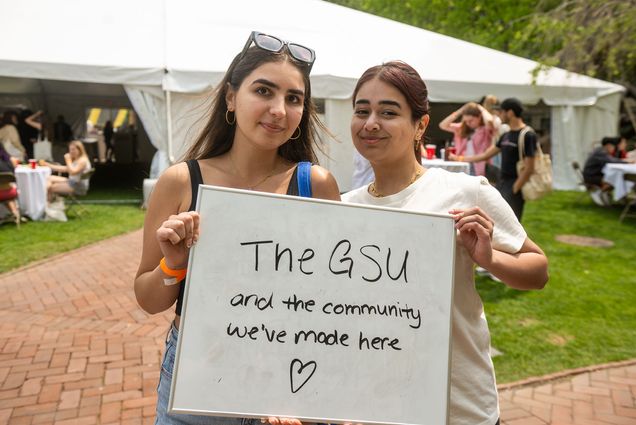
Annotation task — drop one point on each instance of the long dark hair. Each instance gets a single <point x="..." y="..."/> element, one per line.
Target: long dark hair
<point x="7" y="118"/>
<point x="403" y="77"/>
<point x="217" y="136"/>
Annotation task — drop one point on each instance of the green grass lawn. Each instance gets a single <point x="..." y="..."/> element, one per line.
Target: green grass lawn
<point x="38" y="239"/>
<point x="587" y="313"/>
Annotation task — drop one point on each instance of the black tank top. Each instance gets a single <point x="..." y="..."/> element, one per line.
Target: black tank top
<point x="195" y="180"/>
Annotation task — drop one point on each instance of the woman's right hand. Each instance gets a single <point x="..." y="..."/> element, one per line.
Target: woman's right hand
<point x="176" y="235"/>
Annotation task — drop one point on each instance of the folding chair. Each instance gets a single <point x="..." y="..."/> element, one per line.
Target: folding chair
<point x="73" y="201"/>
<point x="6" y="179"/>
<point x="630" y="199"/>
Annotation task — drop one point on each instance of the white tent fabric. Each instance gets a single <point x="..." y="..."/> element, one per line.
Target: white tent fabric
<point x="185" y="46"/>
<point x="150" y="105"/>
<point x="577" y="129"/>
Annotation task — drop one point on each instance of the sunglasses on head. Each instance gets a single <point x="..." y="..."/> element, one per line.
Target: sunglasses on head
<point x="275" y="44"/>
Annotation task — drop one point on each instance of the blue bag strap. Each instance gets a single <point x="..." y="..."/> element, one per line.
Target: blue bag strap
<point x="304" y="179"/>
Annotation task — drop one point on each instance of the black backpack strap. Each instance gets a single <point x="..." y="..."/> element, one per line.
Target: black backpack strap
<point x="195" y="180"/>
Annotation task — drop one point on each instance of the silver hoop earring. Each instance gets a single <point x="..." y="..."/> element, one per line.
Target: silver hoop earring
<point x="227" y="119"/>
<point x="295" y="138"/>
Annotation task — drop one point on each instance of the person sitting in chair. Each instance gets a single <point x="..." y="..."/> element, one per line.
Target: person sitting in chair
<point x="593" y="169"/>
<point x="8" y="189"/>
<point x="77" y="163"/>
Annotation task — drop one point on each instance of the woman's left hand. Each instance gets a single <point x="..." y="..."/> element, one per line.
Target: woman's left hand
<point x="475" y="233"/>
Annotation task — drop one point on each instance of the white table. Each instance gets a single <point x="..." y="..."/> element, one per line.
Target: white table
<point x="454" y="166"/>
<point x="32" y="190"/>
<point x="614" y="174"/>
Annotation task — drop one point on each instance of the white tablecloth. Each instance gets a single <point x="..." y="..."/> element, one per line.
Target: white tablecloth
<point x="454" y="166"/>
<point x="32" y="190"/>
<point x="614" y="174"/>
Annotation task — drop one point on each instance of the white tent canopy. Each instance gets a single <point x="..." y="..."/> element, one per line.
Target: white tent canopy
<point x="175" y="49"/>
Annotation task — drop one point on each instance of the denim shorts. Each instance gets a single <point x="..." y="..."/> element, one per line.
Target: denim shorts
<point x="163" y="394"/>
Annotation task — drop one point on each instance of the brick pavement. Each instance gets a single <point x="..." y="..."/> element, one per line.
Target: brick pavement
<point x="76" y="349"/>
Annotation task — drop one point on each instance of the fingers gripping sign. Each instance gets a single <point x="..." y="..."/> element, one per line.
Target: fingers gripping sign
<point x="475" y="233"/>
<point x="176" y="235"/>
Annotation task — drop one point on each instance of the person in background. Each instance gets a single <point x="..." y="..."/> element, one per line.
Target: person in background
<point x="491" y="104"/>
<point x="389" y="121"/>
<point x="9" y="191"/>
<point x="260" y="136"/>
<point x="510" y="183"/>
<point x="35" y="121"/>
<point x="76" y="163"/>
<point x="132" y="133"/>
<point x="621" y="149"/>
<point x="28" y="134"/>
<point x="108" y="140"/>
<point x="9" y="136"/>
<point x="593" y="168"/>
<point x="473" y="134"/>
<point x="62" y="134"/>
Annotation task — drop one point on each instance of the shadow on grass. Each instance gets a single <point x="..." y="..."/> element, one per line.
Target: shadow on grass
<point x="494" y="292"/>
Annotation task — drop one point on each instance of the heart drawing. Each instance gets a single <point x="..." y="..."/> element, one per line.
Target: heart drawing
<point x="300" y="373"/>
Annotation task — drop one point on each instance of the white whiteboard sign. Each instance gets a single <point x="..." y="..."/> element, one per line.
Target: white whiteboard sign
<point x="317" y="310"/>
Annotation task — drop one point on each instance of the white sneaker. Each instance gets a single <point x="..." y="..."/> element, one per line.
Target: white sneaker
<point x="597" y="197"/>
<point x="493" y="277"/>
<point x="481" y="271"/>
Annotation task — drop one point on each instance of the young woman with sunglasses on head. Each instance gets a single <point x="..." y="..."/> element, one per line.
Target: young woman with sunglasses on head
<point x="260" y="136"/>
<point x="389" y="121"/>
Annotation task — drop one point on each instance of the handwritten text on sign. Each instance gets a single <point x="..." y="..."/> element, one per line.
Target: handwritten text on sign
<point x="315" y="310"/>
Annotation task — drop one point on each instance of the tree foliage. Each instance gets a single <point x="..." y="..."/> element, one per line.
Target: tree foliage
<point x="593" y="37"/>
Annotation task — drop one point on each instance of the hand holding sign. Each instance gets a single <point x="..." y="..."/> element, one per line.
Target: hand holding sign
<point x="176" y="235"/>
<point x="475" y="233"/>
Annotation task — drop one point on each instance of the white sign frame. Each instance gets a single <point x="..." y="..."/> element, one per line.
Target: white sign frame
<point x="218" y="373"/>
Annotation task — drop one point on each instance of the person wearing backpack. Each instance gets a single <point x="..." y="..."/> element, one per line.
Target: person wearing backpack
<point x="511" y="181"/>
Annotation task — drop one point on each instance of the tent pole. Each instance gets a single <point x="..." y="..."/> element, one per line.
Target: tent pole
<point x="169" y="119"/>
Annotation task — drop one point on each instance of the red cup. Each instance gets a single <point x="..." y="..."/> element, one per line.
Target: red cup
<point x="430" y="151"/>
<point x="451" y="150"/>
<point x="33" y="163"/>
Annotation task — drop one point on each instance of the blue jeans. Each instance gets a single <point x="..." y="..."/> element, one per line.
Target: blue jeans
<point x="163" y="394"/>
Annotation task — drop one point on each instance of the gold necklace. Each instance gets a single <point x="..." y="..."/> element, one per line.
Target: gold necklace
<point x="373" y="191"/>
<point x="252" y="187"/>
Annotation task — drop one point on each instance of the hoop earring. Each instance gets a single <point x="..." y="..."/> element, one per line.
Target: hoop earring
<point x="227" y="120"/>
<point x="295" y="138"/>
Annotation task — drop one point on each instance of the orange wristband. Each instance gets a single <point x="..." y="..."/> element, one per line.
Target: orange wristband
<point x="177" y="275"/>
<point x="461" y="158"/>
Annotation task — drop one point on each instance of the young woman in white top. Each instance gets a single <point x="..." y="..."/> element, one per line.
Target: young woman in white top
<point x="262" y="128"/>
<point x="389" y="121"/>
<point x="76" y="164"/>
